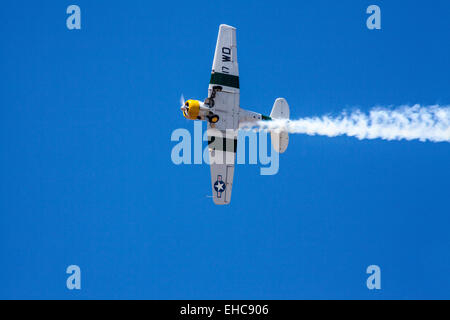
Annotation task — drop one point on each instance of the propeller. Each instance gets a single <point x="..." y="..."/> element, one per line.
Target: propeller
<point x="184" y="107"/>
<point x="182" y="100"/>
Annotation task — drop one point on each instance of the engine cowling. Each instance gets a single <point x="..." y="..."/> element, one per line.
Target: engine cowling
<point x="191" y="109"/>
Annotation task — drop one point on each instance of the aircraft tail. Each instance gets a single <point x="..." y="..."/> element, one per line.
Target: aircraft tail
<point x="280" y="138"/>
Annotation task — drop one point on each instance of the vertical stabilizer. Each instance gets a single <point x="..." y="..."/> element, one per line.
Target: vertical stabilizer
<point x="280" y="138"/>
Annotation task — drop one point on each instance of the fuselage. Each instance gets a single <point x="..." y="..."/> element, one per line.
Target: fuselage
<point x="198" y="110"/>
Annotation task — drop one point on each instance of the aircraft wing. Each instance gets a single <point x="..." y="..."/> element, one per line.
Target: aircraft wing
<point x="224" y="82"/>
<point x="225" y="69"/>
<point x="222" y="136"/>
<point x="222" y="154"/>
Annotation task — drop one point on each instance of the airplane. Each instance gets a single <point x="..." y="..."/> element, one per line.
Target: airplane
<point x="222" y="111"/>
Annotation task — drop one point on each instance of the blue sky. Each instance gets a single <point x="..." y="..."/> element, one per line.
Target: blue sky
<point x="87" y="178"/>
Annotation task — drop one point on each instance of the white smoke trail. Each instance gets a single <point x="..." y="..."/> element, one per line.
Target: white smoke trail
<point x="430" y="123"/>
